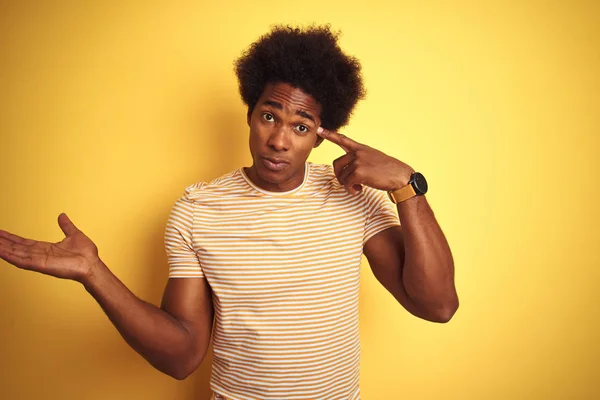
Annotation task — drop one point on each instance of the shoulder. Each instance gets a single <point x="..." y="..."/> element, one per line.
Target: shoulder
<point x="220" y="186"/>
<point x="322" y="176"/>
<point x="321" y="170"/>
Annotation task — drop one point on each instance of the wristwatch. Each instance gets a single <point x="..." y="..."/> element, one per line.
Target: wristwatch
<point x="417" y="186"/>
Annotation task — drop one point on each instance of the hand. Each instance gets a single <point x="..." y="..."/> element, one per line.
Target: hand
<point x="363" y="165"/>
<point x="72" y="258"/>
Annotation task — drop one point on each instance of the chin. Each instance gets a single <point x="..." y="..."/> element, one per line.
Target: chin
<point x="274" y="177"/>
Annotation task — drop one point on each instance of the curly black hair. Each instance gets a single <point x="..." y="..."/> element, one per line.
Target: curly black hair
<point x="309" y="59"/>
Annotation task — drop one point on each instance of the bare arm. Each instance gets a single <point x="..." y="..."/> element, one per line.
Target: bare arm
<point x="173" y="338"/>
<point x="414" y="262"/>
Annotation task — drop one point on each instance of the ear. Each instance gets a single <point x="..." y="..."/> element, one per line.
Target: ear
<point x="249" y="115"/>
<point x="319" y="141"/>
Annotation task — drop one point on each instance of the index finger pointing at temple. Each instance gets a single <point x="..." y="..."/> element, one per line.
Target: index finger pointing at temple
<point x="341" y="140"/>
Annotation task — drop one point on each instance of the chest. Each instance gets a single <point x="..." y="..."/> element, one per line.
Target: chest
<point x="273" y="246"/>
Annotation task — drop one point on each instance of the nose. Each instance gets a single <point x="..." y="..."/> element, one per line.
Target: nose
<point x="279" y="139"/>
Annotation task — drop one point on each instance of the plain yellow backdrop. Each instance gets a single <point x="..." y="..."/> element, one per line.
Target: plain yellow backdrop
<point x="108" y="109"/>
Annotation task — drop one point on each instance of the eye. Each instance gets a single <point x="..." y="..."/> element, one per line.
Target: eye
<point x="268" y="117"/>
<point x="302" y="128"/>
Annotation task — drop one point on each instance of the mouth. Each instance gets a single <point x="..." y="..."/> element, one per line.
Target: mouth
<point x="274" y="164"/>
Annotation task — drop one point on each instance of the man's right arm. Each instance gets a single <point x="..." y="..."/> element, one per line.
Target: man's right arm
<point x="173" y="338"/>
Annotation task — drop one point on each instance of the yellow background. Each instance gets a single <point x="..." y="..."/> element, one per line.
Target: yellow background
<point x="108" y="109"/>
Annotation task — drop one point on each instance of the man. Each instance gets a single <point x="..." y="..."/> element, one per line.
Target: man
<point x="273" y="251"/>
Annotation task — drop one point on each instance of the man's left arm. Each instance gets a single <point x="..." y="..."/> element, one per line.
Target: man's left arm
<point x="412" y="261"/>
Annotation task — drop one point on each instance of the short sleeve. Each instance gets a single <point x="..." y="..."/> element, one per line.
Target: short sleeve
<point x="182" y="258"/>
<point x="381" y="213"/>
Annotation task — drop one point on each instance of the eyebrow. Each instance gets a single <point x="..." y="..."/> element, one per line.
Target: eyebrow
<point x="279" y="106"/>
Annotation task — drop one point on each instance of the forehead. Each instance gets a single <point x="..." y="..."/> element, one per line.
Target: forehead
<point x="290" y="97"/>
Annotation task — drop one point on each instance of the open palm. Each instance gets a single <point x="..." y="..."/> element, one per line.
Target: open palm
<point x="71" y="258"/>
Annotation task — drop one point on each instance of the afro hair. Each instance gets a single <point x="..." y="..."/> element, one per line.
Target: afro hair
<point x="309" y="59"/>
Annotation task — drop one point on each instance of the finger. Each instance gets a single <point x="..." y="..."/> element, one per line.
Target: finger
<point x="353" y="188"/>
<point x="356" y="189"/>
<point x="346" y="179"/>
<point x="345" y="173"/>
<point x="15" y="248"/>
<point x="13" y="259"/>
<point x="20" y="256"/>
<point x="66" y="225"/>
<point x="354" y="181"/>
<point x="342" y="162"/>
<point x="341" y="140"/>
<point x="16" y="239"/>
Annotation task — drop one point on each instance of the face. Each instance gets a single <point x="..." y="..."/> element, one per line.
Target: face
<point x="283" y="131"/>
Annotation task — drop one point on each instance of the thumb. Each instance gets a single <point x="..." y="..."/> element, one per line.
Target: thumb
<point x="66" y="225"/>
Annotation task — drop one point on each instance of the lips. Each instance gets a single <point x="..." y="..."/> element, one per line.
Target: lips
<point x="274" y="164"/>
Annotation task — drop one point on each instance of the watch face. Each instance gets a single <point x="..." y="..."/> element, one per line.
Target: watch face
<point x="420" y="184"/>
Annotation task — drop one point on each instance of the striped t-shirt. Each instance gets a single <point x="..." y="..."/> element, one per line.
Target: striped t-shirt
<point x="284" y="272"/>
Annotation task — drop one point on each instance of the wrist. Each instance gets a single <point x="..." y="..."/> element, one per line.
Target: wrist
<point x="401" y="180"/>
<point x="94" y="274"/>
<point x="413" y="209"/>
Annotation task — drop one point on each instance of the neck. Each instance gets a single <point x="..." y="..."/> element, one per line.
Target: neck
<point x="284" y="186"/>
